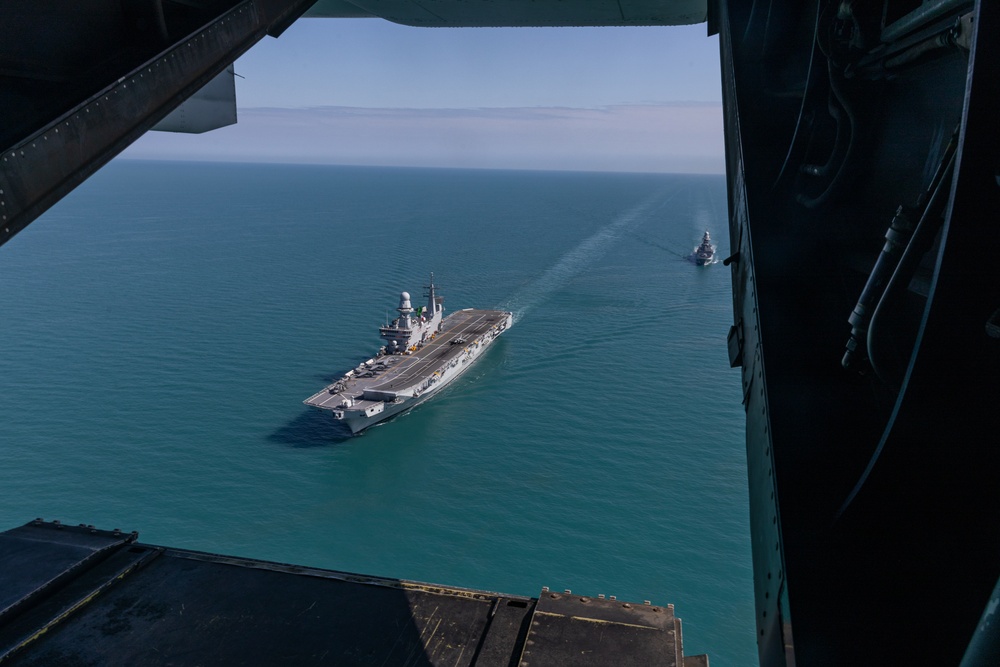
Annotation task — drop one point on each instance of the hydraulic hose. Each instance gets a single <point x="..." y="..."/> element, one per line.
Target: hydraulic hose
<point x="923" y="237"/>
<point x="899" y="240"/>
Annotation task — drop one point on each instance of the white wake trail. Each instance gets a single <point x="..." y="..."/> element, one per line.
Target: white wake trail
<point x="574" y="261"/>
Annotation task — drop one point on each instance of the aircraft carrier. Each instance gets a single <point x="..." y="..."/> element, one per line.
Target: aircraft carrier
<point x="424" y="352"/>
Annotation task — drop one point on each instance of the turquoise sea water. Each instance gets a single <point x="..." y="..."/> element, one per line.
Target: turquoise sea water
<point x="164" y="322"/>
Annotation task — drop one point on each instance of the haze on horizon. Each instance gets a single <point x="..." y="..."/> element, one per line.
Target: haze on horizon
<point x="370" y="92"/>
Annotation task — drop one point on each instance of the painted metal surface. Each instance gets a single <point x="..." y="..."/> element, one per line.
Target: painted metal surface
<point x="870" y="492"/>
<point x="39" y="169"/>
<point x="148" y="605"/>
<point x="459" y="13"/>
<point x="212" y="107"/>
<point x="774" y="630"/>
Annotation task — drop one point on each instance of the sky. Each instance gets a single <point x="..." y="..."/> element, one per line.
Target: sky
<point x="370" y="92"/>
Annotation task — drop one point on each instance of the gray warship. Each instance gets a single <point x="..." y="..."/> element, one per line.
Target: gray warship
<point x="423" y="352"/>
<point x="704" y="253"/>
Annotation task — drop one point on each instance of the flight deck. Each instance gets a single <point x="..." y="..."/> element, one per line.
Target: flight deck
<point x="397" y="373"/>
<point x="389" y="383"/>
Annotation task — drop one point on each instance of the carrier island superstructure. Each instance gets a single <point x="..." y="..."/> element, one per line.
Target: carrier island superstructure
<point x="423" y="352"/>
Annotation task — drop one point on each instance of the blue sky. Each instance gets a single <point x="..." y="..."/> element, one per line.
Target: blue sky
<point x="366" y="91"/>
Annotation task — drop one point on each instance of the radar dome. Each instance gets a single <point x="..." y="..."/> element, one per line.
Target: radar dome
<point x="404" y="302"/>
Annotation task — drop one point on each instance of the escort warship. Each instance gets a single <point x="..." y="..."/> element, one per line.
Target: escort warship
<point x="423" y="353"/>
<point x="704" y="253"/>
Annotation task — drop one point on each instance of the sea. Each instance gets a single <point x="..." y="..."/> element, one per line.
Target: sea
<point x="163" y="323"/>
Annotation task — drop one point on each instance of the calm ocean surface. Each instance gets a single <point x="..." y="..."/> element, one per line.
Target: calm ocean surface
<point x="163" y="324"/>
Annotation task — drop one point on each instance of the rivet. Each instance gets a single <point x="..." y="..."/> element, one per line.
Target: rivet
<point x="627" y="605"/>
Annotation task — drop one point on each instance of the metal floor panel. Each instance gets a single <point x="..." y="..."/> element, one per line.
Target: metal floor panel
<point x="37" y="556"/>
<point x="142" y="604"/>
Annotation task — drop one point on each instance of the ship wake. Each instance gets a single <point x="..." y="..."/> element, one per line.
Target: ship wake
<point x="575" y="260"/>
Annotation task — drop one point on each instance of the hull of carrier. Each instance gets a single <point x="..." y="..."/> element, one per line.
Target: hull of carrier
<point x="359" y="422"/>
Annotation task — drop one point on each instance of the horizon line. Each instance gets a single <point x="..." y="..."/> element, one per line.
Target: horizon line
<point x="289" y="163"/>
